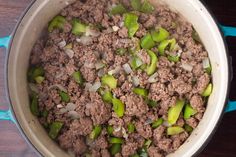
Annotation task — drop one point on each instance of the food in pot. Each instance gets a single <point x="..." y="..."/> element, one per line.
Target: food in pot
<point x="119" y="78"/>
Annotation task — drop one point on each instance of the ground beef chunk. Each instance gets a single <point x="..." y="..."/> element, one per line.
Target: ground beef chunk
<point x="192" y="122"/>
<point x="150" y="22"/>
<point x="197" y="103"/>
<point x="123" y="32"/>
<point x="144" y="57"/>
<point x="105" y="153"/>
<point x="165" y="75"/>
<point x="165" y="144"/>
<point x="88" y="74"/>
<point x="129" y="149"/>
<point x="143" y="130"/>
<point x="79" y="146"/>
<point x="66" y="140"/>
<point x="158" y="133"/>
<point x="83" y="126"/>
<point x="154" y="152"/>
<point x="202" y="83"/>
<point x="180" y="86"/>
<point x="135" y="105"/>
<point x="99" y="112"/>
<point x="158" y="91"/>
<point x="178" y="140"/>
<point x="101" y="142"/>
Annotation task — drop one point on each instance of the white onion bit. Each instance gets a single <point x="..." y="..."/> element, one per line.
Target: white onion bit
<point x="85" y="40"/>
<point x="95" y="87"/>
<point x="115" y="28"/>
<point x="58" y="86"/>
<point x="127" y="68"/>
<point x="125" y="135"/>
<point x="62" y="44"/>
<point x="70" y="53"/>
<point x="62" y="110"/>
<point x="117" y="129"/>
<point x="101" y="72"/>
<point x="73" y="114"/>
<point x="88" y="86"/>
<point x="89" y="65"/>
<point x="135" y="81"/>
<point x="33" y="88"/>
<point x="153" y="78"/>
<point x="91" y="32"/>
<point x="206" y="63"/>
<point x="165" y="123"/>
<point x="70" y="107"/>
<point x="115" y="71"/>
<point x="59" y="106"/>
<point x="99" y="65"/>
<point x="187" y="67"/>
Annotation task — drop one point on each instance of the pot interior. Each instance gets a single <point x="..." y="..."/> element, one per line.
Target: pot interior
<point x="36" y="20"/>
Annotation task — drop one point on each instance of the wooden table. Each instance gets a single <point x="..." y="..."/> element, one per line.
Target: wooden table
<point x="223" y="143"/>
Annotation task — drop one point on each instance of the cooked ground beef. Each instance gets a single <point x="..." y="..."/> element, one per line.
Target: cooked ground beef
<point x="75" y="106"/>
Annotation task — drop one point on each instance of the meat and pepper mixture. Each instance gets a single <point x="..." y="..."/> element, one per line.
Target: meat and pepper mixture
<point x="119" y="78"/>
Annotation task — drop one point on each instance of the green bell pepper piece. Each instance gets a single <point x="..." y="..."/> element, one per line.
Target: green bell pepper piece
<point x="160" y="35"/>
<point x="118" y="107"/>
<point x="107" y="97"/>
<point x="121" y="51"/>
<point x="189" y="111"/>
<point x="95" y="132"/>
<point x="131" y="23"/>
<point x="174" y="130"/>
<point x="64" y="96"/>
<point x="131" y="128"/>
<point x="147" y="42"/>
<point x="136" y="62"/>
<point x="153" y="66"/>
<point x="78" y="28"/>
<point x="109" y="80"/>
<point x="35" y="72"/>
<point x="165" y="44"/>
<point x="78" y="77"/>
<point x="34" y="106"/>
<point x="188" y="128"/>
<point x="147" y="7"/>
<point x="57" y="22"/>
<point x="207" y="92"/>
<point x="136" y="4"/>
<point x="55" y="128"/>
<point x="114" y="140"/>
<point x="110" y="130"/>
<point x="118" y="9"/>
<point x="157" y="123"/>
<point x="115" y="148"/>
<point x="174" y="112"/>
<point x="196" y="37"/>
<point x="141" y="91"/>
<point x="152" y="103"/>
<point x="173" y="58"/>
<point x="39" y="79"/>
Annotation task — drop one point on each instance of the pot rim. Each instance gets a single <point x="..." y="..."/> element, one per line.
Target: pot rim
<point x="197" y="152"/>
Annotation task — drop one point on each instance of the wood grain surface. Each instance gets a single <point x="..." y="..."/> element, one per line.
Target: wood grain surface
<point x="222" y="144"/>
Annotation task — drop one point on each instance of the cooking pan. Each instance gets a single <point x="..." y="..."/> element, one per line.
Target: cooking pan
<point x="35" y="19"/>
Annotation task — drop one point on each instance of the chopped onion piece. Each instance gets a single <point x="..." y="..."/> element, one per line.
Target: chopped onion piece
<point x="206" y="63"/>
<point x="135" y="81"/>
<point x="99" y="65"/>
<point x="125" y="135"/>
<point x="165" y="123"/>
<point x="115" y="71"/>
<point x="95" y="87"/>
<point x="59" y="106"/>
<point x="101" y="72"/>
<point x="91" y="32"/>
<point x="148" y="121"/>
<point x="121" y="24"/>
<point x="62" y="44"/>
<point x="153" y="78"/>
<point x="62" y="110"/>
<point x="58" y="86"/>
<point x="89" y="65"/>
<point x="70" y="53"/>
<point x="187" y="67"/>
<point x="115" y="28"/>
<point x="117" y="129"/>
<point x="73" y="114"/>
<point x="85" y="40"/>
<point x="88" y="86"/>
<point x="127" y="68"/>
<point x="70" y="107"/>
<point x="33" y="88"/>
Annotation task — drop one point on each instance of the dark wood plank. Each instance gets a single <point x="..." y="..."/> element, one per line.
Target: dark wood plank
<point x="221" y="145"/>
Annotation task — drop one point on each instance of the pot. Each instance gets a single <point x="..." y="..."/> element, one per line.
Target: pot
<point x="36" y="19"/>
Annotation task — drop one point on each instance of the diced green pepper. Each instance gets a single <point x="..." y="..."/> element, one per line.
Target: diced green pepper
<point x="208" y="70"/>
<point x="160" y="35"/>
<point x="152" y="67"/>
<point x="173" y="58"/>
<point x="34" y="72"/>
<point x="147" y="144"/>
<point x="115" y="148"/>
<point x="174" y="112"/>
<point x="157" y="123"/>
<point x="136" y="4"/>
<point x="57" y="22"/>
<point x="136" y="62"/>
<point x="141" y="91"/>
<point x="39" y="79"/>
<point x="95" y="132"/>
<point x="78" y="28"/>
<point x="69" y="46"/>
<point x="152" y="103"/>
<point x="207" y="92"/>
<point x="118" y="9"/>
<point x="109" y="80"/>
<point x="44" y="114"/>
<point x="64" y="96"/>
<point x="147" y="7"/>
<point x="165" y="44"/>
<point x="55" y="128"/>
<point x="174" y="130"/>
<point x="188" y="128"/>
<point x="114" y="140"/>
<point x="78" y="77"/>
<point x="131" y="23"/>
<point x="110" y="130"/>
<point x="135" y="155"/>
<point x="196" y="37"/>
<point x="147" y="42"/>
<point x="136" y="47"/>
<point x="34" y="107"/>
<point x="121" y="51"/>
<point x="107" y="97"/>
<point x="189" y="111"/>
<point x="142" y="152"/>
<point x="118" y="107"/>
<point x="131" y="128"/>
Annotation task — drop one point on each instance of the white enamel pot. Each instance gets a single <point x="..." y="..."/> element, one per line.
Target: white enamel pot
<point x="36" y="18"/>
